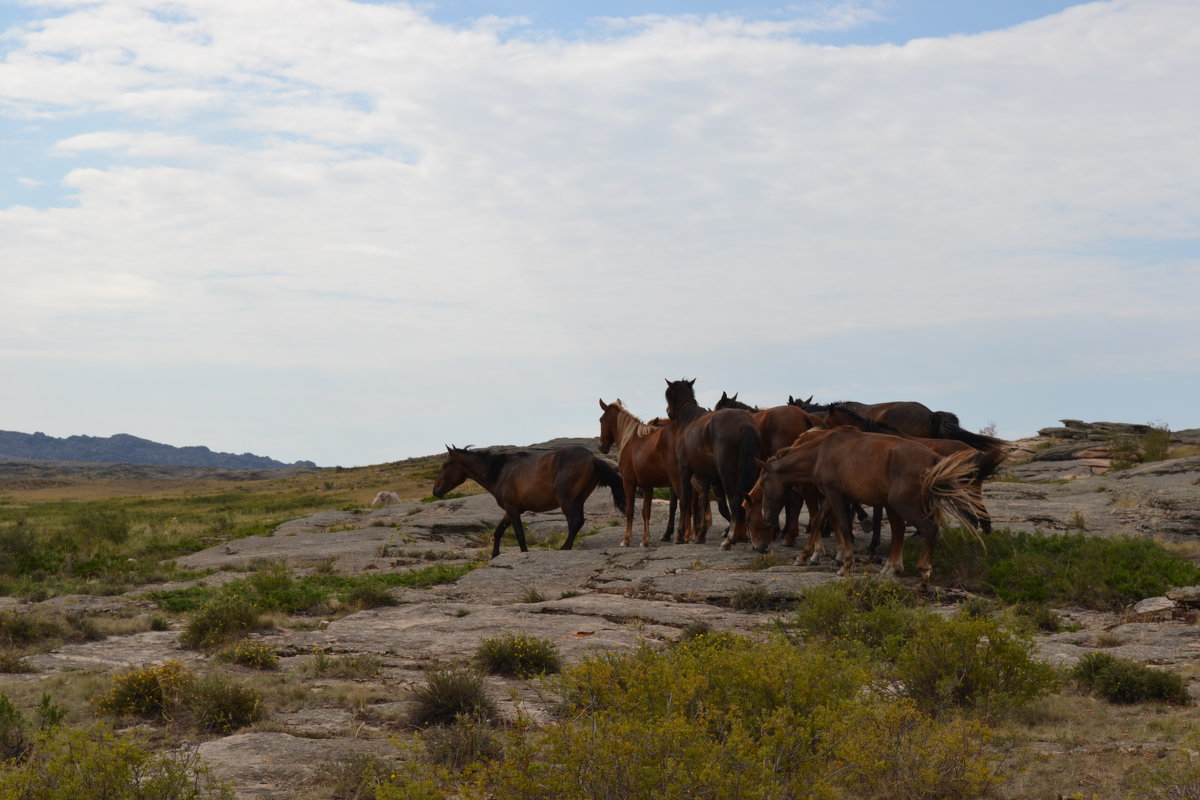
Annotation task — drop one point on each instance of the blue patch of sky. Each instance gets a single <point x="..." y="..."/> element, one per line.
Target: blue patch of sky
<point x="1145" y="251"/>
<point x="891" y="22"/>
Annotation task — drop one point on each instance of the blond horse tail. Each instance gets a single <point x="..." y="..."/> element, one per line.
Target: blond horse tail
<point x="946" y="491"/>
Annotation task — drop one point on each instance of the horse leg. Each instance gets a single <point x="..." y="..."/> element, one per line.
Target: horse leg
<point x="838" y="508"/>
<point x="630" y="501"/>
<point x="876" y="527"/>
<point x="864" y="521"/>
<point x="791" y="523"/>
<point x="929" y="535"/>
<point x="673" y="504"/>
<point x="895" y="562"/>
<point x="500" y="529"/>
<point x="687" y="522"/>
<point x="646" y="501"/>
<point x="519" y="529"/>
<point x="574" y="514"/>
<point x="814" y="548"/>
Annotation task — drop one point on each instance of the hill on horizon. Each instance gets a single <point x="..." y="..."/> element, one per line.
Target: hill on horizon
<point x="123" y="448"/>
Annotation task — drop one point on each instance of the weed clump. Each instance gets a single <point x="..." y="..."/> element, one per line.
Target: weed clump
<point x="1122" y="680"/>
<point x="449" y="693"/>
<point x="518" y="655"/>
<point x="223" y="619"/>
<point x="171" y="691"/>
<point x="249" y="653"/>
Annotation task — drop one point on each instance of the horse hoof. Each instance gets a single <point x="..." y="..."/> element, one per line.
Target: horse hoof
<point x="726" y="544"/>
<point x="887" y="571"/>
<point x="814" y="560"/>
<point x="626" y="544"/>
<point x="646" y="544"/>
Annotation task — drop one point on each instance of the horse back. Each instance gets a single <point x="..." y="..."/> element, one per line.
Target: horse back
<point x="532" y="482"/>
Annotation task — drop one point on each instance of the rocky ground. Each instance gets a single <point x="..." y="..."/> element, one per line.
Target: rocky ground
<point x="597" y="597"/>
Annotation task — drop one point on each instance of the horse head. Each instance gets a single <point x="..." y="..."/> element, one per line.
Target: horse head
<point x="679" y="394"/>
<point x="453" y="472"/>
<point x="763" y="503"/>
<point x="608" y="425"/>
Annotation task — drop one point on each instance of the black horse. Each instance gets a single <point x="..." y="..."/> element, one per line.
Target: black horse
<point x="720" y="446"/>
<point x="909" y="418"/>
<point x="532" y="481"/>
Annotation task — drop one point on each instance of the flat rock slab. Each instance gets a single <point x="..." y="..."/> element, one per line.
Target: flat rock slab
<point x="117" y="653"/>
<point x="276" y="766"/>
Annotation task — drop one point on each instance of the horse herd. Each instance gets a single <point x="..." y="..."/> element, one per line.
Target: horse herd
<point x="917" y="466"/>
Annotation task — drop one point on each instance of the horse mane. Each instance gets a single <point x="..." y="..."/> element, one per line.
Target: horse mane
<point x="493" y="460"/>
<point x="643" y="428"/>
<point x="868" y="425"/>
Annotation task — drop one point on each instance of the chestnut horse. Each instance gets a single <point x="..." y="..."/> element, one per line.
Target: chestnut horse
<point x="646" y="461"/>
<point x="778" y="427"/>
<point x="841" y="414"/>
<point x="715" y="445"/>
<point x="845" y="465"/>
<point x="563" y="478"/>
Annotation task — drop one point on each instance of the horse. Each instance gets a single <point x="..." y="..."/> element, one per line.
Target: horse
<point x="842" y="414"/>
<point x="911" y="418"/>
<point x="646" y="461"/>
<point x="778" y="427"/>
<point x="563" y="478"/>
<point x="716" y="445"/>
<point x="914" y="484"/>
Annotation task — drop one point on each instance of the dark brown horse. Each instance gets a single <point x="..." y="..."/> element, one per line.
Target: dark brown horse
<point x="845" y="465"/>
<point x="721" y="446"/>
<point x="532" y="481"/>
<point x="910" y="418"/>
<point x="646" y="461"/>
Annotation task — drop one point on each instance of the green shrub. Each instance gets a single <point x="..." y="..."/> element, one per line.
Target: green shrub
<point x="1122" y="680"/>
<point x="694" y="629"/>
<point x="445" y="694"/>
<point x="220" y="620"/>
<point x="145" y="691"/>
<point x="249" y="653"/>
<point x="532" y="595"/>
<point x="462" y="742"/>
<point x="275" y="588"/>
<point x="1102" y="573"/>
<point x="13" y="730"/>
<point x="18" y="628"/>
<point x="218" y="704"/>
<point x="972" y="664"/>
<point x="1039" y="617"/>
<point x="72" y="763"/>
<point x="97" y="523"/>
<point x="370" y="597"/>
<point x="1123" y="451"/>
<point x="751" y="598"/>
<point x="518" y="655"/>
<point x="862" y="612"/>
<point x="1156" y="444"/>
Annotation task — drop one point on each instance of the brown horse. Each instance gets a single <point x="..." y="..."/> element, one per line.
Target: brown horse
<point x="841" y="414"/>
<point x="911" y="418"/>
<point x="778" y="427"/>
<point x="646" y="461"/>
<point x="845" y="465"/>
<point x="532" y="481"/>
<point x="716" y="445"/>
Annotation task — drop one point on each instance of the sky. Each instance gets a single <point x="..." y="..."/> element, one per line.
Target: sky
<point x="356" y="232"/>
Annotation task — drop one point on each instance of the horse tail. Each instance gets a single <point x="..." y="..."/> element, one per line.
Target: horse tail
<point x="946" y="490"/>
<point x="945" y="426"/>
<point x="608" y="475"/>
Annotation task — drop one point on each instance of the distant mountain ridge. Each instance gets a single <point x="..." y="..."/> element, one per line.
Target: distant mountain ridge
<point x="125" y="449"/>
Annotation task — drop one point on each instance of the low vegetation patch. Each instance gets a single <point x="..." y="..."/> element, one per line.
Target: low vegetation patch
<point x="518" y="655"/>
<point x="446" y="694"/>
<point x="1102" y="573"/>
<point x="175" y="693"/>
<point x="72" y="763"/>
<point x="348" y="666"/>
<point x="720" y="716"/>
<point x="249" y="653"/>
<point x="1121" y="680"/>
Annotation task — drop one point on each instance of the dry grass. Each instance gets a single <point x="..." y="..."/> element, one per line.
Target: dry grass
<point x="1077" y="746"/>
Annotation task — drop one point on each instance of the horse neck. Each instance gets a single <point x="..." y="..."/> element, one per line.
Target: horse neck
<point x="476" y="467"/>
<point x="688" y="411"/>
<point x="630" y="427"/>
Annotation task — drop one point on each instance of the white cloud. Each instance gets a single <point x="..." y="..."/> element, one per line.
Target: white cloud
<point x="324" y="181"/>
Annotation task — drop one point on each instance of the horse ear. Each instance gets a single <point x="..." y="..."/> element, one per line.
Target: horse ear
<point x="668" y="380"/>
<point x="603" y="405"/>
<point x="725" y="396"/>
<point x="692" y="382"/>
